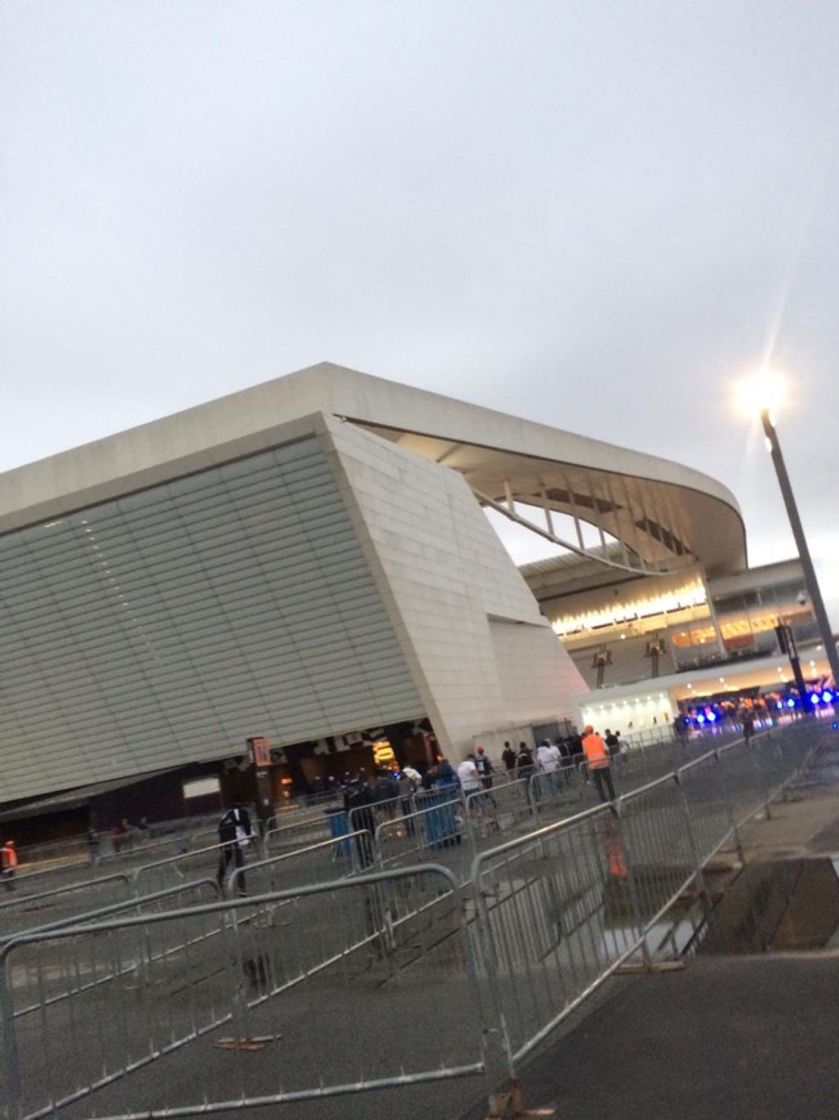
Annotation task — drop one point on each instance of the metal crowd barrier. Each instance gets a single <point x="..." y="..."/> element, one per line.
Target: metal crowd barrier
<point x="436" y="827"/>
<point x="561" y="909"/>
<point x="324" y="861"/>
<point x="112" y="1004"/>
<point x="19" y="910"/>
<point x="548" y="916"/>
<point x="287" y="837"/>
<point x="163" y="873"/>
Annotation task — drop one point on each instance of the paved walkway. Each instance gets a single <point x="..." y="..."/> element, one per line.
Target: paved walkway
<point x="728" y="1037"/>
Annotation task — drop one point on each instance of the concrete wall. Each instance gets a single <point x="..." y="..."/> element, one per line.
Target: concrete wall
<point x="481" y="652"/>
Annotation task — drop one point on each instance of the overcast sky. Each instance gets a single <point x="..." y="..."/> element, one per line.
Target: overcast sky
<point x="593" y="214"/>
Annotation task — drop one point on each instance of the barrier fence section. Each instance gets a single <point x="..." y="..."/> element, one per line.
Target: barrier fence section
<point x="560" y="909"/>
<point x="173" y="898"/>
<point x="474" y="979"/>
<point x="435" y="828"/>
<point x="213" y="861"/>
<point x="116" y="998"/>
<point x="26" y="962"/>
<point x="321" y="862"/>
<point x="287" y="837"/>
<point x="18" y="911"/>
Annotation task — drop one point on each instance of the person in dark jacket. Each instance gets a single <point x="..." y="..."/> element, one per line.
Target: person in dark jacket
<point x="508" y="756"/>
<point x="524" y="761"/>
<point x="578" y="755"/>
<point x="484" y="767"/>
<point x="360" y="797"/>
<point x="387" y="792"/>
<point x="234" y="832"/>
<point x="525" y="767"/>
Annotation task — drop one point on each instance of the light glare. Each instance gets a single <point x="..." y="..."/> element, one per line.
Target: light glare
<point x="765" y="389"/>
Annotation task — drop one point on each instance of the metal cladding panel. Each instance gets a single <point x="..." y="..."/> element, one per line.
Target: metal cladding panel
<point x="168" y="625"/>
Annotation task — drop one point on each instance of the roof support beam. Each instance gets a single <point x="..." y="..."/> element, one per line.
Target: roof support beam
<point x="512" y="515"/>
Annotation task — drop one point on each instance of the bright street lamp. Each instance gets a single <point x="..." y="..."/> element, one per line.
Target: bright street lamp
<point x="810" y="581"/>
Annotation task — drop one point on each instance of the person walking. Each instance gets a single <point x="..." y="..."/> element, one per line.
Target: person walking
<point x="508" y="756"/>
<point x="597" y="759"/>
<point x="8" y="864"/>
<point x="234" y="832"/>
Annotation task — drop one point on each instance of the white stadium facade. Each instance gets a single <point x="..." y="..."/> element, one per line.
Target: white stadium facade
<point x="310" y="560"/>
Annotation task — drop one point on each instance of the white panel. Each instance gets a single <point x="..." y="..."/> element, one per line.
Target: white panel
<point x="445" y="573"/>
<point x="169" y="625"/>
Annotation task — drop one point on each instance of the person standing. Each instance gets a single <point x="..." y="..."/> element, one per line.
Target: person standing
<point x="484" y="768"/>
<point x="524" y="761"/>
<point x="234" y="832"/>
<point x="612" y="742"/>
<point x="525" y="768"/>
<point x="469" y="776"/>
<point x="387" y="793"/>
<point x="359" y="800"/>
<point x="562" y="768"/>
<point x="93" y="845"/>
<point x="748" y="724"/>
<point x="508" y="756"/>
<point x="597" y="758"/>
<point x="547" y="762"/>
<point x="408" y="781"/>
<point x="442" y="822"/>
<point x="8" y="864"/>
<point x="577" y="754"/>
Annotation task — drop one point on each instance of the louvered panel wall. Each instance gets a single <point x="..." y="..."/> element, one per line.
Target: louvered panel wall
<point x="168" y="625"/>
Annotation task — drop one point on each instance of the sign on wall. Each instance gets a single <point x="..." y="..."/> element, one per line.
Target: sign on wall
<point x="260" y="749"/>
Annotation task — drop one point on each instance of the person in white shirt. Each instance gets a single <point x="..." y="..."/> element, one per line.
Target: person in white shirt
<point x="546" y="759"/>
<point x="547" y="762"/>
<point x="468" y="776"/>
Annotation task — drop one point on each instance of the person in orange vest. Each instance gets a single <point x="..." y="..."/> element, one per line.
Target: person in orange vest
<point x="8" y="864"/>
<point x="597" y="758"/>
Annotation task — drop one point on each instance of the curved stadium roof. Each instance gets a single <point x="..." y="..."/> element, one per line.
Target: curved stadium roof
<point x="664" y="515"/>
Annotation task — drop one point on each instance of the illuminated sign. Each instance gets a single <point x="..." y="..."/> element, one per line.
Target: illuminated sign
<point x="383" y="752"/>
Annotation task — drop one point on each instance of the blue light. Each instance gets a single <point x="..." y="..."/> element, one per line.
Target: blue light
<point x="779" y="704"/>
<point x="700" y="718"/>
<point x="712" y="717"/>
<point x="790" y="703"/>
<point x="827" y="697"/>
<point x="814" y="698"/>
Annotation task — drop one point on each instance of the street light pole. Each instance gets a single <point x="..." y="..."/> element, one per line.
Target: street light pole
<point x="810" y="581"/>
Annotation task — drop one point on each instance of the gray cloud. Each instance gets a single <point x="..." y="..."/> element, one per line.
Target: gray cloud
<point x="591" y="214"/>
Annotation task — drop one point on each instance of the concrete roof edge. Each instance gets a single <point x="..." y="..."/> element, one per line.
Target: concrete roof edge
<point x="253" y="415"/>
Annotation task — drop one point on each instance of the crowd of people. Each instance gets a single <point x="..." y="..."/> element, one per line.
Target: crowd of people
<point x="372" y="795"/>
